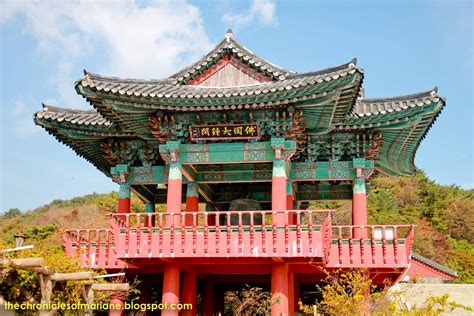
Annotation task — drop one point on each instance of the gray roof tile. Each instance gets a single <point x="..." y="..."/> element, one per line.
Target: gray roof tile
<point x="80" y="117"/>
<point x="166" y="89"/>
<point x="367" y="107"/>
<point x="434" y="264"/>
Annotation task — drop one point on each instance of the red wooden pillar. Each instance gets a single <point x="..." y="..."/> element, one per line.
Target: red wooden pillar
<point x="208" y="301"/>
<point x="170" y="289"/>
<point x="117" y="302"/>
<point x="280" y="290"/>
<point x="124" y="198"/>
<point x="192" y="201"/>
<point x="174" y="193"/>
<point x="359" y="202"/>
<point x="279" y="191"/>
<point x="189" y="293"/>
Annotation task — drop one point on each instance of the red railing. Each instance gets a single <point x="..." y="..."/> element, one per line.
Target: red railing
<point x="93" y="247"/>
<point x="294" y="233"/>
<point x="256" y="234"/>
<point x="371" y="246"/>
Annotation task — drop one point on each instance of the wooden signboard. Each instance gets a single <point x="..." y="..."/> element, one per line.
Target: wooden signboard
<point x="224" y="132"/>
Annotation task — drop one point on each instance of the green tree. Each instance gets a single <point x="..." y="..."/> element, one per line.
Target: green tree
<point x="11" y="213"/>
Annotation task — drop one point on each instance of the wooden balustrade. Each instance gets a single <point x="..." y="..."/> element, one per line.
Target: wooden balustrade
<point x="231" y="234"/>
<point x="93" y="247"/>
<point x="252" y="234"/>
<point x="378" y="246"/>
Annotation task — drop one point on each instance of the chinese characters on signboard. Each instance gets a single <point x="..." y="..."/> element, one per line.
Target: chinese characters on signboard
<point x="224" y="132"/>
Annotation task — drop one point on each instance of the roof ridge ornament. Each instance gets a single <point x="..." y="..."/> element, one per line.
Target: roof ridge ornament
<point x="353" y="63"/>
<point x="228" y="35"/>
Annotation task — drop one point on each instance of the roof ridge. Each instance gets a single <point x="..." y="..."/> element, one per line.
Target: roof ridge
<point x="227" y="45"/>
<point x="429" y="93"/>
<point x="323" y="71"/>
<point x="434" y="264"/>
<point x="232" y="39"/>
<point x="51" y="108"/>
<point x="91" y="75"/>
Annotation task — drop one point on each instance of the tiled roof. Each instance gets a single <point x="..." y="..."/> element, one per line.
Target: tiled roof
<point x="79" y="117"/>
<point x="329" y="99"/>
<point x="165" y="89"/>
<point x="230" y="46"/>
<point x="434" y="264"/>
<point x="368" y="107"/>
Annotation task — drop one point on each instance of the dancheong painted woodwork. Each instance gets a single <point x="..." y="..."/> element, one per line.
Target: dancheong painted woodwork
<point x="237" y="148"/>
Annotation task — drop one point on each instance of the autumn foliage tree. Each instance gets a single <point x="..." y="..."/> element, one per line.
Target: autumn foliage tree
<point x="444" y="216"/>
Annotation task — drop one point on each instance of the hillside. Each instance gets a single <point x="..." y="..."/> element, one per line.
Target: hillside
<point x="444" y="216"/>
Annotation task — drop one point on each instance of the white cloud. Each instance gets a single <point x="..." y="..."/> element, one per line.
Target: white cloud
<point x="260" y="10"/>
<point x="136" y="40"/>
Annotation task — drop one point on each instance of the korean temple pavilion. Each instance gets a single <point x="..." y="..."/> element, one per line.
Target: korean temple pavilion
<point x="237" y="148"/>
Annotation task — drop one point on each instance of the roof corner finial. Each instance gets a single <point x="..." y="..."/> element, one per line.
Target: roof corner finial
<point x="353" y="63"/>
<point x="229" y="34"/>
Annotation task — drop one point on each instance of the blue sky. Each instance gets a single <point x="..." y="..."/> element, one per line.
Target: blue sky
<point x="403" y="46"/>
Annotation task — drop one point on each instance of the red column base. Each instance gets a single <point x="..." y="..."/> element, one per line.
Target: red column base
<point x="117" y="300"/>
<point x="170" y="289"/>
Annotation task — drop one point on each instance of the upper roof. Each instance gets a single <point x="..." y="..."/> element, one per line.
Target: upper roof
<point x="230" y="46"/>
<point x="168" y="95"/>
<point x="330" y="100"/>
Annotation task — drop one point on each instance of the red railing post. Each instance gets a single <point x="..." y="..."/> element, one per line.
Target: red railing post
<point x="228" y="230"/>
<point x="298" y="231"/>
<point x="162" y="232"/>
<point x="409" y="241"/>
<point x="395" y="243"/>
<point x="286" y="231"/>
<point x="139" y="232"/>
<point x="339" y="243"/>
<point x="275" y="222"/>
<point x="183" y="219"/>
<point x="127" y="233"/>
<point x="240" y="230"/>
<point x="252" y="242"/>
<point x="195" y="221"/>
<point x="150" y="232"/>
<point x="206" y="233"/>
<point x="384" y="245"/>
<point x="218" y="231"/>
